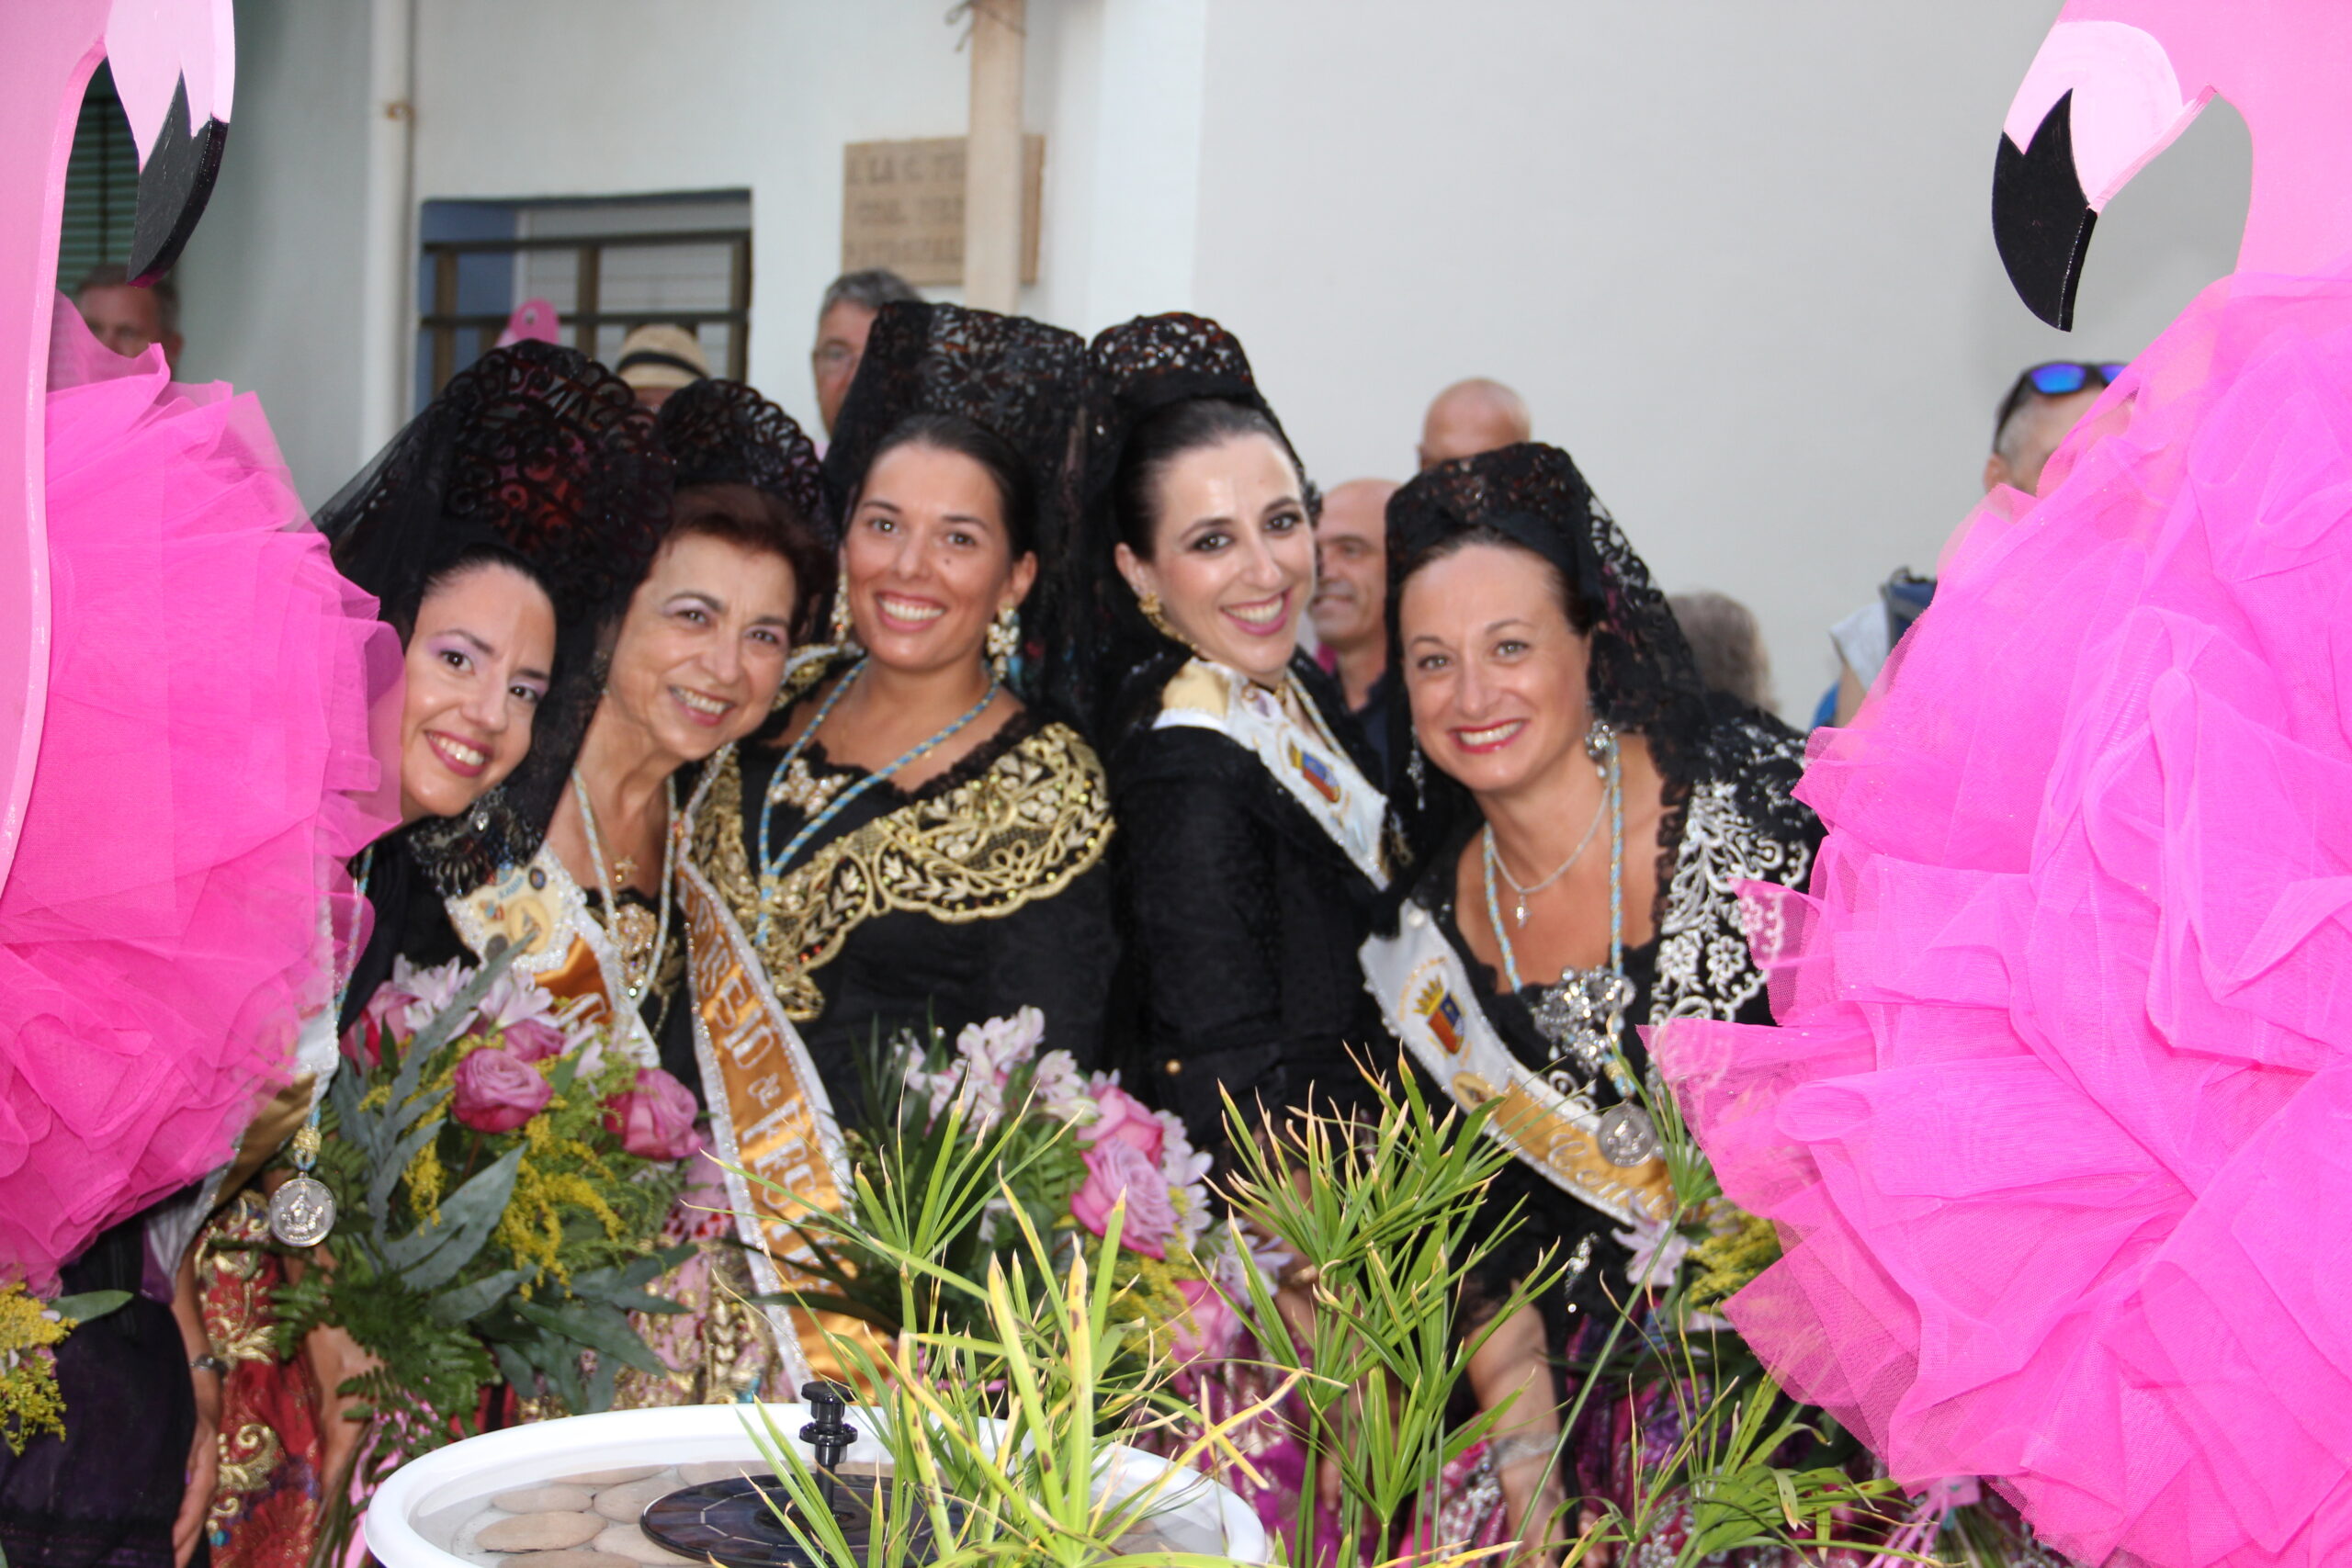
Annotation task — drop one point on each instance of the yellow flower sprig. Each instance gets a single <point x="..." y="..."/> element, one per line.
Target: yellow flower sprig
<point x="29" y="1401"/>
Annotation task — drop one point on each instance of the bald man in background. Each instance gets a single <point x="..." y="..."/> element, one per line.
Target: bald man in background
<point x="1350" y="605"/>
<point x="1471" y="417"/>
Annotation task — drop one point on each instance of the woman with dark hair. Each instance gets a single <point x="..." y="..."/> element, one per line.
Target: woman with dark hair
<point x="1582" y="816"/>
<point x="908" y="847"/>
<point x="499" y="533"/>
<point x="695" y="665"/>
<point x="1247" y="899"/>
<point x="699" y="658"/>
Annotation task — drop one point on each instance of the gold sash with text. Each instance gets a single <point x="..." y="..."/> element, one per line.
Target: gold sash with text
<point x="771" y="1123"/>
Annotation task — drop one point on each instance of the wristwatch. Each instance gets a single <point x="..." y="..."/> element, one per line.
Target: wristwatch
<point x="207" y="1362"/>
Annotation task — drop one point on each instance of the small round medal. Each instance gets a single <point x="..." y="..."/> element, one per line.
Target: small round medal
<point x="301" y="1213"/>
<point x="1625" y="1135"/>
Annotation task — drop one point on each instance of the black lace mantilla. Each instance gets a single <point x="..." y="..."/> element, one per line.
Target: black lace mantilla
<point x="1109" y="652"/>
<point x="1643" y="680"/>
<point x="537" y="451"/>
<point x="1021" y="378"/>
<point x="719" y="432"/>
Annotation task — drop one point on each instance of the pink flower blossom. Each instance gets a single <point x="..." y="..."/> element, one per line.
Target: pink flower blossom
<point x="1209" y="1325"/>
<point x="655" y="1120"/>
<point x="496" y="1091"/>
<point x="1117" y="1168"/>
<point x="1057" y="1087"/>
<point x="421" y="995"/>
<point x="1120" y="1117"/>
<point x="533" y="1038"/>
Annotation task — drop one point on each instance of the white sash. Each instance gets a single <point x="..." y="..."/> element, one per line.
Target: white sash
<point x="1423" y="988"/>
<point x="1316" y="773"/>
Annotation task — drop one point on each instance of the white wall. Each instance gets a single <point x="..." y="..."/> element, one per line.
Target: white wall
<point x="1736" y="255"/>
<point x="270" y="284"/>
<point x="1734" y="252"/>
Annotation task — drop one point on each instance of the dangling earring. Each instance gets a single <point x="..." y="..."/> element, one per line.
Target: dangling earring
<point x="843" y="632"/>
<point x="1600" y="742"/>
<point x="1004" y="640"/>
<point x="1149" y="603"/>
<point x="1417" y="772"/>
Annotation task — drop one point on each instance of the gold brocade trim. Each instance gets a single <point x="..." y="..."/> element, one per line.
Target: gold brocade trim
<point x="1022" y="832"/>
<point x="239" y="1322"/>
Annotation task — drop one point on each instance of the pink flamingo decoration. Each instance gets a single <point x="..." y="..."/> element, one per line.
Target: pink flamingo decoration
<point x="185" y="687"/>
<point x="2052" y="1130"/>
<point x="2117" y="80"/>
<point x="174" y="69"/>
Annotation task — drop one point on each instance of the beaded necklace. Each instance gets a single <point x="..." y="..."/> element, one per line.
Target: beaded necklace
<point x="772" y="866"/>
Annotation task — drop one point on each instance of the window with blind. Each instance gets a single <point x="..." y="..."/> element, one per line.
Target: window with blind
<point x="606" y="266"/>
<point x="101" y="185"/>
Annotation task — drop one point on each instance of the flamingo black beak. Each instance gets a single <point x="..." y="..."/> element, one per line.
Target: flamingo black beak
<point x="2041" y="219"/>
<point x="174" y="184"/>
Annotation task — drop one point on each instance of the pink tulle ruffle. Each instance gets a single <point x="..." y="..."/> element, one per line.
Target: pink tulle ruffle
<point x="204" y="769"/>
<point x="2058" y="1127"/>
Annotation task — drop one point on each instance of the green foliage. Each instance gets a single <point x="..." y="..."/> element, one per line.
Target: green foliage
<point x="526" y="1265"/>
<point x="1384" y="1220"/>
<point x="1011" y="1381"/>
<point x="1007" y="1393"/>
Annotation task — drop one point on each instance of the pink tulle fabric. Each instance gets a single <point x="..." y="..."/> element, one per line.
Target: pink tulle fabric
<point x="205" y="767"/>
<point x="2058" y="1129"/>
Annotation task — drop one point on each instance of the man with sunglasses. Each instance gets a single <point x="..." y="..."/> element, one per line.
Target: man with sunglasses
<point x="2042" y="405"/>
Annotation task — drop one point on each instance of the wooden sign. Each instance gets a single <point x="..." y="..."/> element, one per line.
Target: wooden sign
<point x="902" y="207"/>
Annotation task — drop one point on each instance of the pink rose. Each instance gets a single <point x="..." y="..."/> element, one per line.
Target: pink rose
<point x="1209" y="1325"/>
<point x="496" y="1091"/>
<point x="656" y="1119"/>
<point x="1117" y="1168"/>
<point x="1121" y="1119"/>
<point x="533" y="1038"/>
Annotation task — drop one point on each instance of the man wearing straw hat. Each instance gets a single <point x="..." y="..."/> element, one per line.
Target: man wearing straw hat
<point x="658" y="360"/>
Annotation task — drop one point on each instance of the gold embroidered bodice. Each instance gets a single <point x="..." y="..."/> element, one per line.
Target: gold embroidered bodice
<point x="1017" y="831"/>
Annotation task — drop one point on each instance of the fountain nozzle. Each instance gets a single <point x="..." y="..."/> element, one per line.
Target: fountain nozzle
<point x="829" y="1434"/>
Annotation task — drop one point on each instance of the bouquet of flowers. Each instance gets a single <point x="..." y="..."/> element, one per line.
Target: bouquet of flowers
<point x="1065" y="1146"/>
<point x="500" y="1175"/>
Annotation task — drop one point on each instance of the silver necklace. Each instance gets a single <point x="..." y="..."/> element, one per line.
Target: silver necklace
<point x="302" y="1212"/>
<point x="1582" y="1013"/>
<point x="1494" y="858"/>
<point x="639" y="966"/>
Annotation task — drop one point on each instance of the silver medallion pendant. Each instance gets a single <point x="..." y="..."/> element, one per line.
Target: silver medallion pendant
<point x="301" y="1213"/>
<point x="1625" y="1135"/>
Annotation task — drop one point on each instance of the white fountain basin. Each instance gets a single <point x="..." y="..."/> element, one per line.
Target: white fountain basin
<point x="428" y="1513"/>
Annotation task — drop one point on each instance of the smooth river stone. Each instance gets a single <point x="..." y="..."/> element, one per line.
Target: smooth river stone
<point x="539" y="1532"/>
<point x="545" y="1500"/>
<point x="609" y="1477"/>
<point x="627" y="1540"/>
<point x="626" y="1503"/>
<point x="726" y="1470"/>
<point x="578" y="1557"/>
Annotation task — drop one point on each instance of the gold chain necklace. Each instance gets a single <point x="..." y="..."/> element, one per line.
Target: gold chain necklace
<point x="640" y="934"/>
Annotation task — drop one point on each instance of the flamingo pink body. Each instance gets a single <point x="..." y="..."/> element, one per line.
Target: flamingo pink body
<point x="186" y="690"/>
<point x="2053" y="1129"/>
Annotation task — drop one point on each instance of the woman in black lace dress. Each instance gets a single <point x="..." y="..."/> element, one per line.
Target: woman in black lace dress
<point x="1252" y="850"/>
<point x="910" y="846"/>
<point x="1582" y="817"/>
